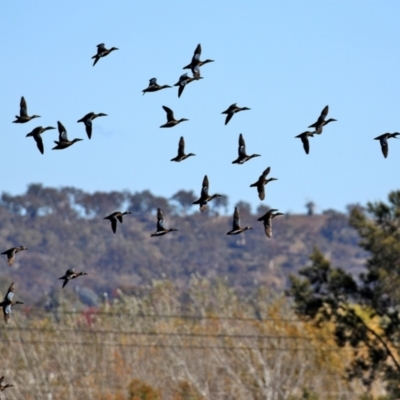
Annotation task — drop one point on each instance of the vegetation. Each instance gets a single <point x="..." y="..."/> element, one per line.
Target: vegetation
<point x="364" y="313"/>
<point x="64" y="228"/>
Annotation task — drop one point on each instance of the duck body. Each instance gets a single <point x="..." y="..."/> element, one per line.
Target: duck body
<point x="70" y="274"/>
<point x="304" y="139"/>
<point x="154" y="86"/>
<point x="4" y="386"/>
<point x="161" y="230"/>
<point x="37" y="135"/>
<point x="383" y="140"/>
<point x="8" y="303"/>
<point x="63" y="142"/>
<point x="23" y="116"/>
<point x="267" y="221"/>
<point x="87" y="120"/>
<point x="12" y="252"/>
<point x="171" y="121"/>
<point x="102" y="52"/>
<point x="236" y="228"/>
<point x="204" y="196"/>
<point x="242" y="155"/>
<point x="261" y="182"/>
<point x="231" y="110"/>
<point x="185" y="79"/>
<point x="195" y="63"/>
<point x="181" y="152"/>
<point x="114" y="217"/>
<point x="321" y="122"/>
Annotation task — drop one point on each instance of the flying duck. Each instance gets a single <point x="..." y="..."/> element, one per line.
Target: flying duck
<point x="383" y="141"/>
<point x="320" y="123"/>
<point x="204" y="196"/>
<point x="243" y="157"/>
<point x="304" y="138"/>
<point x="160" y="225"/>
<point x="37" y="135"/>
<point x="262" y="181"/>
<point x="8" y="302"/>
<point x="185" y="79"/>
<point x="154" y="86"/>
<point x="23" y="113"/>
<point x="87" y="120"/>
<point x="102" y="52"/>
<point x="63" y="142"/>
<point x="12" y="252"/>
<point x="236" y="229"/>
<point x="196" y="60"/>
<point x="4" y="386"/>
<point x="171" y="121"/>
<point x="181" y="151"/>
<point x="267" y="221"/>
<point x="233" y="109"/>
<point x="70" y="274"/>
<point x="117" y="215"/>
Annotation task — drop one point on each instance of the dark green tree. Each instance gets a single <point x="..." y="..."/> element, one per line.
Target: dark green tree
<point x="365" y="311"/>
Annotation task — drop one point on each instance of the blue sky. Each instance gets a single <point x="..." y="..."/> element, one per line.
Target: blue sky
<point x="284" y="60"/>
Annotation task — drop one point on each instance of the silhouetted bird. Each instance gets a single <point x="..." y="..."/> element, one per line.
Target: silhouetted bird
<point x="242" y="156"/>
<point x="171" y="121"/>
<point x="181" y="151"/>
<point x="87" y="120"/>
<point x="236" y="229"/>
<point x="383" y="141"/>
<point x="23" y="113"/>
<point x="267" y="221"/>
<point x="4" y="386"/>
<point x="102" y="52"/>
<point x="63" y="142"/>
<point x="154" y="86"/>
<point x="117" y="215"/>
<point x="8" y="303"/>
<point x="185" y="80"/>
<point x="204" y="196"/>
<point x="320" y="123"/>
<point x="12" y="252"/>
<point x="231" y="110"/>
<point x="37" y="135"/>
<point x="262" y="181"/>
<point x="196" y="60"/>
<point x="70" y="274"/>
<point x="304" y="138"/>
<point x="160" y="225"/>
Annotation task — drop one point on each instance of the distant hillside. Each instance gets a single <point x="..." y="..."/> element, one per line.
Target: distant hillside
<point x="64" y="228"/>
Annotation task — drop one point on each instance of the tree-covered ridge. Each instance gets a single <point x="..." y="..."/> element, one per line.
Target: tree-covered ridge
<point x="64" y="228"/>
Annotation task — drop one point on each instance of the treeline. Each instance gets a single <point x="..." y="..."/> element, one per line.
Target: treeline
<point x="64" y="228"/>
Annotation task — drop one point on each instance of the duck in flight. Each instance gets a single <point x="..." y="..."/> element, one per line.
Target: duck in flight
<point x="383" y="139"/>
<point x="117" y="215"/>
<point x="204" y="196"/>
<point x="161" y="230"/>
<point x="267" y="221"/>
<point x="236" y="228"/>
<point x="181" y="151"/>
<point x="23" y="113"/>
<point x="304" y="138"/>
<point x="8" y="303"/>
<point x="321" y="122"/>
<point x="154" y="86"/>
<point x="262" y="181"/>
<point x="63" y="141"/>
<point x="243" y="157"/>
<point x="70" y="274"/>
<point x="231" y="110"/>
<point x="171" y="121"/>
<point x="4" y="386"/>
<point x="185" y="79"/>
<point x="196" y="60"/>
<point x="87" y="120"/>
<point x="10" y="253"/>
<point x="37" y="135"/>
<point x="102" y="52"/>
